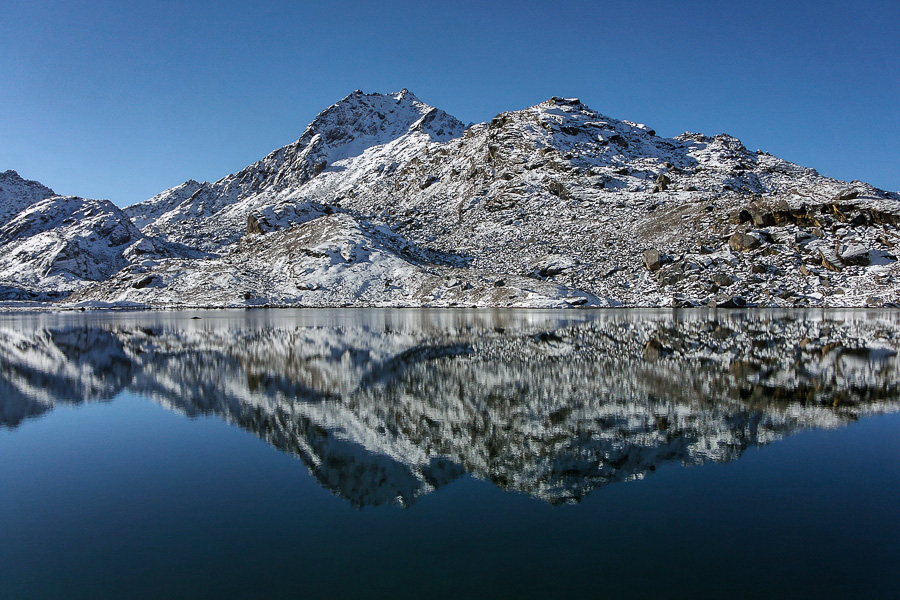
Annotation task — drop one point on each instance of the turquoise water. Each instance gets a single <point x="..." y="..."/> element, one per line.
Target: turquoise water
<point x="392" y="454"/>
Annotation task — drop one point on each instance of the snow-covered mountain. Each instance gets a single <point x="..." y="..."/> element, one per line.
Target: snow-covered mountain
<point x="384" y="406"/>
<point x="343" y="140"/>
<point x="551" y="205"/>
<point x="321" y="261"/>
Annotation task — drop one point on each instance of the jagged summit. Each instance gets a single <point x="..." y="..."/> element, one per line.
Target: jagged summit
<point x="361" y="120"/>
<point x="334" y="142"/>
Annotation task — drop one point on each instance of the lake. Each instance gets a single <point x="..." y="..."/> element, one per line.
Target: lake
<point x="450" y="454"/>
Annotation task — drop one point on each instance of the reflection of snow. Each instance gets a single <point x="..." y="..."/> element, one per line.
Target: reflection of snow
<point x="388" y="404"/>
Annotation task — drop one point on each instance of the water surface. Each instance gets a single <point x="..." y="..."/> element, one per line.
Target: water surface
<point x="417" y="453"/>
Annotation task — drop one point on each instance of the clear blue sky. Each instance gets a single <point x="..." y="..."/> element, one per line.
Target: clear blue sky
<point x="121" y="100"/>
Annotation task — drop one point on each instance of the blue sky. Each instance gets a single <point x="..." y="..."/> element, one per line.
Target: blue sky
<point x="122" y="100"/>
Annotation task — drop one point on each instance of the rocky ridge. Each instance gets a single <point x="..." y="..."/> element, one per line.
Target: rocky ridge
<point x="552" y="205"/>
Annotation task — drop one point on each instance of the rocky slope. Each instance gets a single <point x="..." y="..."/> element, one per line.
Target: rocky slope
<point x="385" y="406"/>
<point x="552" y="205"/>
<point x="329" y="260"/>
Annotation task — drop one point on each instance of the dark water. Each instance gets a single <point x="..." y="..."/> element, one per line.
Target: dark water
<point x="439" y="454"/>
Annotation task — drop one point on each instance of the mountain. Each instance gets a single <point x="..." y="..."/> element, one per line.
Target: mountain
<point x="52" y="245"/>
<point x="342" y="140"/>
<point x="552" y="205"/>
<point x="385" y="406"/>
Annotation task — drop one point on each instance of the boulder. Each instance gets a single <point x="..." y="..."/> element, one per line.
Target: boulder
<point x="856" y="254"/>
<point x="743" y="242"/>
<point x="142" y="246"/>
<point x="760" y="215"/>
<point x="831" y="261"/>
<point x="671" y="274"/>
<point x="848" y="194"/>
<point x="551" y="266"/>
<point x="859" y="220"/>
<point x="732" y="302"/>
<point x="721" y="279"/>
<point x="652" y="259"/>
<point x="662" y="182"/>
<point x="143" y="282"/>
<point x="257" y="224"/>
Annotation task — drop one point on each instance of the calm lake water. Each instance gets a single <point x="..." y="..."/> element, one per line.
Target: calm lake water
<point x="450" y="454"/>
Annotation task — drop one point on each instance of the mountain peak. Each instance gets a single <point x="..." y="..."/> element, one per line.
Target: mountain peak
<point x="360" y="121"/>
<point x="17" y="193"/>
<point x="12" y="177"/>
<point x="361" y="97"/>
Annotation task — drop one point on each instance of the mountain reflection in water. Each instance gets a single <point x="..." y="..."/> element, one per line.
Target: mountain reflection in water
<point x="383" y="406"/>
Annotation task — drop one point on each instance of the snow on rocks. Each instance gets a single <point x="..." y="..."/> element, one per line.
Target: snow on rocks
<point x="339" y="141"/>
<point x="332" y="260"/>
<point x="557" y="193"/>
<point x="62" y="242"/>
<point x="17" y="194"/>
